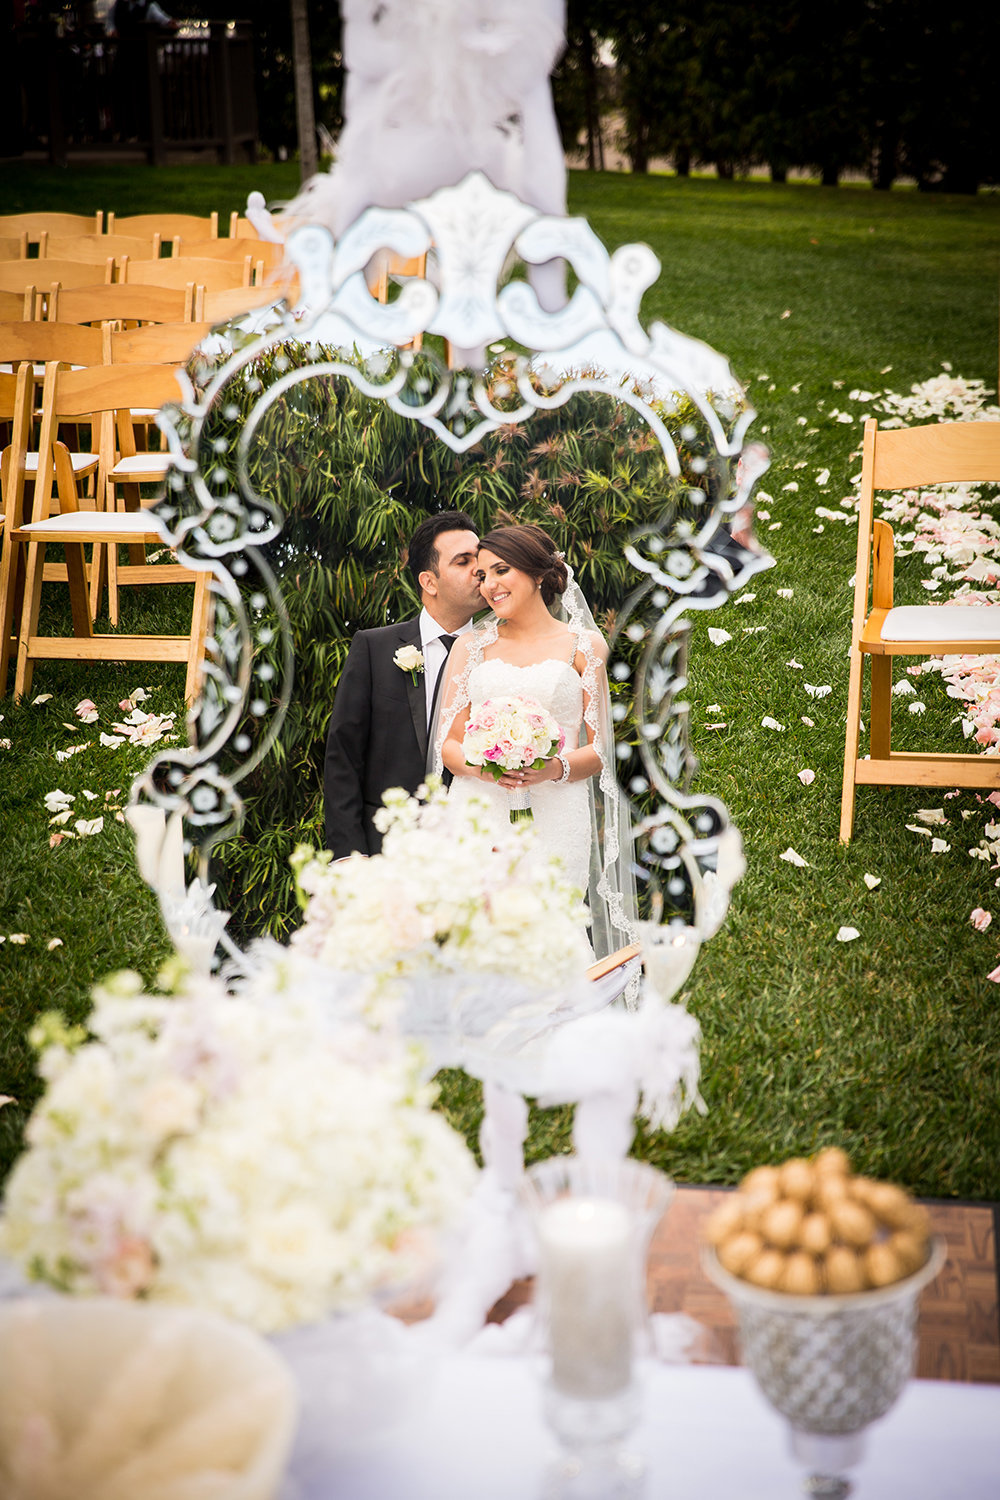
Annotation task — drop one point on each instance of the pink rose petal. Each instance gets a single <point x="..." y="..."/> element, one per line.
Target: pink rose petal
<point x="980" y="919"/>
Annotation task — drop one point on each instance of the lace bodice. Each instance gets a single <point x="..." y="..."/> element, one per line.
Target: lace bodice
<point x="555" y="684"/>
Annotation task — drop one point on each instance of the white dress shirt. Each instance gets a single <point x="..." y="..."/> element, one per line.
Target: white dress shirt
<point x="434" y="654"/>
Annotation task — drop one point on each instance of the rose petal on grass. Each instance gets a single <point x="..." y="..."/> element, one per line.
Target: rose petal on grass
<point x="7" y="1099"/>
<point x="791" y="486"/>
<point x="774" y="526"/>
<point x="933" y="815"/>
<point x="18" y="937"/>
<point x="787" y="313"/>
<point x="871" y="881"/>
<point x="939" y="846"/>
<point x="807" y="777"/>
<point x="713" y="708"/>
<point x="903" y="689"/>
<point x="716" y="726"/>
<point x="795" y="665"/>
<point x="54" y="943"/>
<point x="818" y="692"/>
<point x="823" y="477"/>
<point x="916" y="828"/>
<point x="980" y="919"/>
<point x="916" y="707"/>
<point x="768" y="723"/>
<point x="85" y="827"/>
<point x="61" y="817"/>
<point x="745" y="599"/>
<point x="718" y="637"/>
<point x="995" y="976"/>
<point x="72" y="750"/>
<point x="847" y="934"/>
<point x="808" y="722"/>
<point x="111" y="741"/>
<point x="786" y="593"/>
<point x="792" y="858"/>
<point x="42" y="698"/>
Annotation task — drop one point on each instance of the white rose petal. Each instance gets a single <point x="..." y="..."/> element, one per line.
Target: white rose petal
<point x="808" y="722"/>
<point x="980" y="919"/>
<point x="807" y="777"/>
<point x="42" y="698"/>
<point x="823" y="477"/>
<point x="714" y="708"/>
<point x="768" y="723"/>
<point x="54" y="943"/>
<point x="718" y="637"/>
<point x="19" y="937"/>
<point x="791" y="858"/>
<point x="935" y="815"/>
<point x="88" y="826"/>
<point x="791" y="486"/>
<point x="818" y="692"/>
<point x="795" y="665"/>
<point x="745" y="599"/>
<point x="111" y="741"/>
<point x="786" y="593"/>
<point x="916" y="707"/>
<point x="847" y="934"/>
<point x="916" y="828"/>
<point x="939" y="846"/>
<point x="871" y="881"/>
<point x="903" y="689"/>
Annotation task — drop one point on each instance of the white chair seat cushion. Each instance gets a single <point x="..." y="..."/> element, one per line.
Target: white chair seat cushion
<point x="96" y="522"/>
<point x="83" y="463"/>
<point x="141" y="463"/>
<point x="942" y="622"/>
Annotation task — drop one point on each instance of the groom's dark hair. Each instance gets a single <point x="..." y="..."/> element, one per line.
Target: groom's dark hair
<point x="422" y="553"/>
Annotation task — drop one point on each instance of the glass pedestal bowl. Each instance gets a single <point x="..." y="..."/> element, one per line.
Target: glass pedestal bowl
<point x="831" y="1365"/>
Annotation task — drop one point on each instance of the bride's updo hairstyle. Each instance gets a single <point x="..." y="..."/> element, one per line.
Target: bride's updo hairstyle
<point x="531" y="550"/>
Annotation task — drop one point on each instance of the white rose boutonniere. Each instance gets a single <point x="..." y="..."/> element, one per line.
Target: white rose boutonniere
<point x="409" y="659"/>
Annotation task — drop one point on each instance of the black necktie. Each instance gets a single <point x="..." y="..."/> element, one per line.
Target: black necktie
<point x="447" y="642"/>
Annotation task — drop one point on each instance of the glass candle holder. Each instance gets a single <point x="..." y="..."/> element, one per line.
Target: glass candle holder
<point x="593" y="1222"/>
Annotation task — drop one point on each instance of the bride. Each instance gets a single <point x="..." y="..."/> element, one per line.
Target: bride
<point x="541" y="643"/>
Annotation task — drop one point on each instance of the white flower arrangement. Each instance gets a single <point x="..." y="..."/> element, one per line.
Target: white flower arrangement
<point x="409" y="659"/>
<point x="229" y="1152"/>
<point x="447" y="894"/>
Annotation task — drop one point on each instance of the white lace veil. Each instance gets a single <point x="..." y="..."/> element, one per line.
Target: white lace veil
<point x="611" y="894"/>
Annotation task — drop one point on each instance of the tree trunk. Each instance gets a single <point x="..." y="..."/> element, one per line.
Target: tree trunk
<point x="725" y="170"/>
<point x="778" y="173"/>
<point x="830" y="174"/>
<point x="682" y="161"/>
<point x="305" y="116"/>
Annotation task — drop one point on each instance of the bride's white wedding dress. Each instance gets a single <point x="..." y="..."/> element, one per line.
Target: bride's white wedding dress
<point x="562" y="817"/>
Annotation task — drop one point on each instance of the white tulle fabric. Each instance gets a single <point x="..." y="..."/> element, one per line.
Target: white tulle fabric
<point x="585" y="823"/>
<point x="438" y="88"/>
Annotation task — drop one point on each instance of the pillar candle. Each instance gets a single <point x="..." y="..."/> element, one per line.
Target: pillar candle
<point x="587" y="1268"/>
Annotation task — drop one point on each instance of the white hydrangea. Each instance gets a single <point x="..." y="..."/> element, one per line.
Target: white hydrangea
<point x="230" y="1152"/>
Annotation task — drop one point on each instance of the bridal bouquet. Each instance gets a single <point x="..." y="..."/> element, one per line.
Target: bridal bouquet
<point x="234" y="1153"/>
<point x="511" y="734"/>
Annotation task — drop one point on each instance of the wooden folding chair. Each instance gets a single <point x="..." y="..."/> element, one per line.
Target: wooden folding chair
<point x="264" y="256"/>
<point x="14" y="247"/>
<point x="214" y="275"/>
<point x="387" y="267"/>
<point x="220" y="307"/>
<point x="37" y="343"/>
<point x="35" y="225"/>
<point x="902" y="459"/>
<point x="69" y="394"/>
<point x="122" y="304"/>
<point x="193" y="226"/>
<point x="16" y="275"/>
<point x="93" y="249"/>
<point x="17" y="305"/>
<point x="241" y="228"/>
<point x="16" y="392"/>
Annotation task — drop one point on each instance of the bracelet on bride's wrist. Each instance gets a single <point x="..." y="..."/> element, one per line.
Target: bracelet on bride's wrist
<point x="565" y="769"/>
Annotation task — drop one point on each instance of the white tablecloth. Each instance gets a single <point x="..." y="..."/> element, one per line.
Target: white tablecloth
<point x="706" y="1434"/>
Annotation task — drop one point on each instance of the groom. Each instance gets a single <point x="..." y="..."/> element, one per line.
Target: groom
<point x="378" y="736"/>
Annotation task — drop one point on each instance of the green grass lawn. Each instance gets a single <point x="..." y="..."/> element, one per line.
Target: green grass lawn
<point x="888" y="1045"/>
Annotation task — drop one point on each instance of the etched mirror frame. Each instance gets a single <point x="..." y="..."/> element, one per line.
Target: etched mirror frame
<point x="685" y="851"/>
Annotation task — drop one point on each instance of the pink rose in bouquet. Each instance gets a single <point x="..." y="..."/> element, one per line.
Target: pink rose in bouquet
<point x="511" y="734"/>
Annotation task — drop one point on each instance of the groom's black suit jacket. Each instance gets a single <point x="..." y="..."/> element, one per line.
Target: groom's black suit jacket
<point x="377" y="737"/>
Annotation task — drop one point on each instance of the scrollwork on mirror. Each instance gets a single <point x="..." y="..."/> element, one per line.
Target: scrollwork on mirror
<point x="462" y="314"/>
